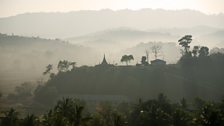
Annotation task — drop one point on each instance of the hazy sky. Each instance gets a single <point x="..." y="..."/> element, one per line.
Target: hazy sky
<point x="13" y="7"/>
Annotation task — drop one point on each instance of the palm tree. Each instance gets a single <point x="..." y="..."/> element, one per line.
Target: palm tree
<point x="52" y="118"/>
<point x="30" y="120"/>
<point x="11" y="118"/>
<point x="72" y="111"/>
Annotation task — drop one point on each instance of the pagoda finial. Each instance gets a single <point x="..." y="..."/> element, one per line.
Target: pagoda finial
<point x="104" y="60"/>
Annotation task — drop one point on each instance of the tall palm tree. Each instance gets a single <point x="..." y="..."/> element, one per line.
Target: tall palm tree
<point x="72" y="111"/>
<point x="52" y="118"/>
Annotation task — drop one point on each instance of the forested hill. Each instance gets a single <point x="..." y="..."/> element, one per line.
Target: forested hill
<point x="190" y="78"/>
<point x="24" y="58"/>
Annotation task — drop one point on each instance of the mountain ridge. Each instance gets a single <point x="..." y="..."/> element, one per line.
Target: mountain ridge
<point x="63" y="25"/>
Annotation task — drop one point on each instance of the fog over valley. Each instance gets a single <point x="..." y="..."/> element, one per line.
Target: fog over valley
<point x="28" y="43"/>
<point x="63" y="64"/>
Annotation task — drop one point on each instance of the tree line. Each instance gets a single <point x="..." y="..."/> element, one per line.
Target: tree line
<point x="155" y="112"/>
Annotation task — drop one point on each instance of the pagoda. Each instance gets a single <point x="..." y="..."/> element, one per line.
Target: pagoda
<point x="104" y="62"/>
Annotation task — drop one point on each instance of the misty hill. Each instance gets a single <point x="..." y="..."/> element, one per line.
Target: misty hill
<point x="191" y="77"/>
<point x="117" y="39"/>
<point x="25" y="58"/>
<point x="77" y="23"/>
<point x="120" y="38"/>
<point x="216" y="38"/>
<point x="195" y="31"/>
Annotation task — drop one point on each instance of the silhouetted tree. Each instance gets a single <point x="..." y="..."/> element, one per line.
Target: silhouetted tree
<point x="73" y="64"/>
<point x="52" y="118"/>
<point x="147" y="56"/>
<point x="144" y="60"/>
<point x="30" y="120"/>
<point x="156" y="49"/>
<point x="195" y="51"/>
<point x="107" y="116"/>
<point x="127" y="58"/>
<point x="184" y="42"/>
<point x="49" y="67"/>
<point x="204" y="51"/>
<point x="155" y="112"/>
<point x="72" y="110"/>
<point x="11" y="118"/>
<point x="64" y="65"/>
<point x="152" y="113"/>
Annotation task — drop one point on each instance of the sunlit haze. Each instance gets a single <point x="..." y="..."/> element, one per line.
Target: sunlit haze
<point x="111" y="62"/>
<point x="13" y="7"/>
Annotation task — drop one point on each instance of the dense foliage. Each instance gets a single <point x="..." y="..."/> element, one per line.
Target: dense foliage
<point x="155" y="112"/>
<point x="193" y="76"/>
<point x="197" y="74"/>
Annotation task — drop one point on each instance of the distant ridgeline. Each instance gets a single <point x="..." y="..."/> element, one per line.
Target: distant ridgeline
<point x="191" y="77"/>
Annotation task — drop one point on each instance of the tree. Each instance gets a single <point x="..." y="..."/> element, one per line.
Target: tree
<point x="204" y="51"/>
<point x="73" y="64"/>
<point x="195" y="51"/>
<point x="107" y="116"/>
<point x="184" y="42"/>
<point x="71" y="110"/>
<point x="180" y="117"/>
<point x="49" y="67"/>
<point x="208" y="115"/>
<point x="127" y="58"/>
<point x="156" y="49"/>
<point x="183" y="103"/>
<point x="30" y="120"/>
<point x="144" y="60"/>
<point x="64" y="65"/>
<point x="147" y="56"/>
<point x="11" y="118"/>
<point x="117" y="119"/>
<point x="52" y="118"/>
<point x="155" y="112"/>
